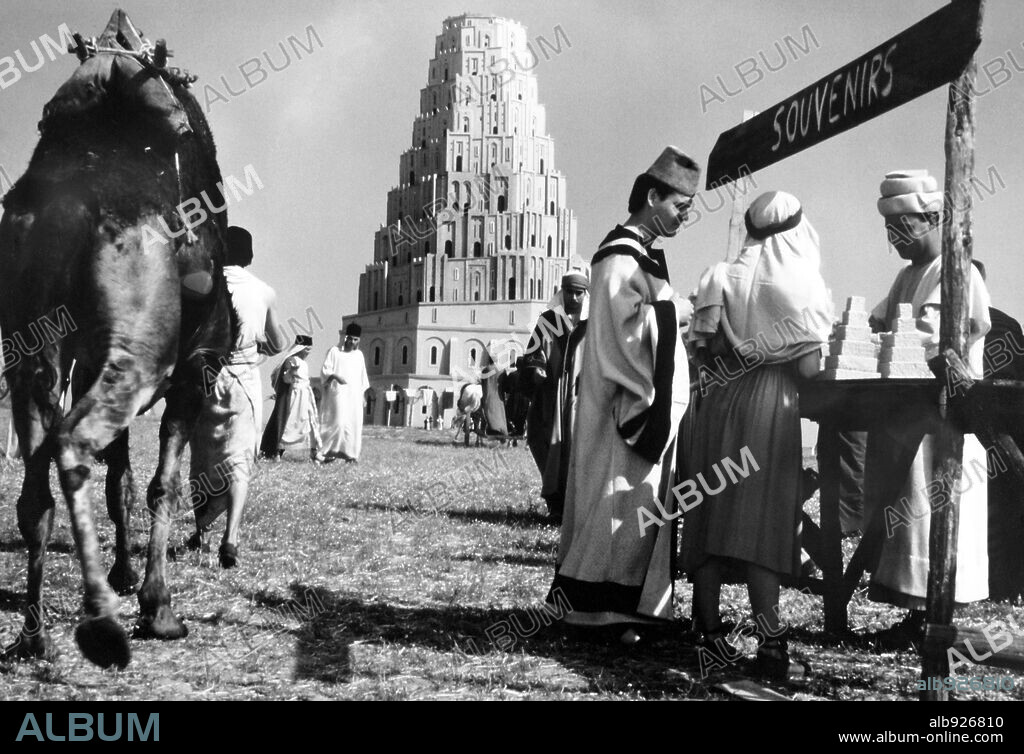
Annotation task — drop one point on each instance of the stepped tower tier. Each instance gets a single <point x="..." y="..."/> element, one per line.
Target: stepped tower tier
<point x="477" y="233"/>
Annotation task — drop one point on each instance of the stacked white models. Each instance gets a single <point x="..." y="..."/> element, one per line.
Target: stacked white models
<point x="852" y="354"/>
<point x="903" y="354"/>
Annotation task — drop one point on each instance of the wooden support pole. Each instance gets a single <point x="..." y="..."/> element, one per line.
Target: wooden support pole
<point x="954" y="328"/>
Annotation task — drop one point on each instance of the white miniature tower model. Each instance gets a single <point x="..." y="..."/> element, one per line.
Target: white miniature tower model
<point x="852" y="354"/>
<point x="903" y="354"/>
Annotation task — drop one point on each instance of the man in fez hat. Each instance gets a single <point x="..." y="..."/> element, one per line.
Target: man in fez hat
<point x="633" y="389"/>
<point x="344" y="382"/>
<point x="543" y="377"/>
<point x="224" y="441"/>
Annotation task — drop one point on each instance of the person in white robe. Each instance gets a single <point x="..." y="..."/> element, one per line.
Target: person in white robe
<point x="633" y="391"/>
<point x="344" y="383"/>
<point x="912" y="206"/>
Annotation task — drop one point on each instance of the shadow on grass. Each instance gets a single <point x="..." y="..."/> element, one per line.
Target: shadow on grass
<point x="521" y="560"/>
<point x="335" y="622"/>
<point x="11" y="601"/>
<point x="506" y="515"/>
<point x="18" y="545"/>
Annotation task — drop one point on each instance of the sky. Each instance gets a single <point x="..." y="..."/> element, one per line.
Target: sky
<point x="325" y="131"/>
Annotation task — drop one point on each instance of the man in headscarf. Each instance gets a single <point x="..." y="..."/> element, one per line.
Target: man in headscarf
<point x="759" y="325"/>
<point x="223" y="446"/>
<point x="294" y="421"/>
<point x="634" y="387"/>
<point x="543" y="376"/>
<point x="912" y="207"/>
<point x="344" y="381"/>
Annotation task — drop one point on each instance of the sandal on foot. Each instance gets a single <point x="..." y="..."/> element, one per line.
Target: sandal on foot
<point x="717" y="643"/>
<point x="907" y="634"/>
<point x="773" y="662"/>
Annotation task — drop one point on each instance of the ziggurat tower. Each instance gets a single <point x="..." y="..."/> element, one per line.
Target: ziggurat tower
<point x="478" y="234"/>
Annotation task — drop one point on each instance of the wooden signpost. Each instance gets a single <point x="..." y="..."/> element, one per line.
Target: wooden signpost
<point x="925" y="56"/>
<point x="936" y="51"/>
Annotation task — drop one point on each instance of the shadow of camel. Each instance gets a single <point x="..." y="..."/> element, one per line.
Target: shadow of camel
<point x="666" y="666"/>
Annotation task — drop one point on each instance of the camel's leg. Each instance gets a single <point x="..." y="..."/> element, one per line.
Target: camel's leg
<point x="156" y="620"/>
<point x="120" y="492"/>
<point x="94" y="422"/>
<point x="35" y="510"/>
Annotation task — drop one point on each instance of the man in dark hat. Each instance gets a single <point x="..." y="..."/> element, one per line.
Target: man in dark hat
<point x="633" y="389"/>
<point x="543" y="377"/>
<point x="224" y="443"/>
<point x="344" y="383"/>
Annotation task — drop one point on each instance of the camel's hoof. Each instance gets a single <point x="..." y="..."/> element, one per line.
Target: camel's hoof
<point x="164" y="625"/>
<point x="123" y="579"/>
<point x="31" y="646"/>
<point x="228" y="555"/>
<point x="103" y="642"/>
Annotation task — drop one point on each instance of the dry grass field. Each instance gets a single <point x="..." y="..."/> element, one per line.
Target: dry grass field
<point x="417" y="574"/>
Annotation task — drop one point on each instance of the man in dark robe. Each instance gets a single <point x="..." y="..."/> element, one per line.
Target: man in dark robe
<point x="544" y="375"/>
<point x="1004" y="360"/>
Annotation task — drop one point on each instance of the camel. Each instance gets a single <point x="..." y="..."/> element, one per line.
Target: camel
<point x="94" y="229"/>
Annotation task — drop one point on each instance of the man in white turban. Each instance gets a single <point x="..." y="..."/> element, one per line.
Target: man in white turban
<point x="912" y="207"/>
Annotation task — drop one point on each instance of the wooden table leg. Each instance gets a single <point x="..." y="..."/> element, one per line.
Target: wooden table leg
<point x="831" y="533"/>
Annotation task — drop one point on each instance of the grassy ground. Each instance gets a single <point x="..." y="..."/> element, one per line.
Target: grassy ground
<point x="418" y="573"/>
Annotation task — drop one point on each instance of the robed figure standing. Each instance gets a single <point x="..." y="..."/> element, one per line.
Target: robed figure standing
<point x="344" y="381"/>
<point x="545" y="377"/>
<point x="912" y="206"/>
<point x="634" y="388"/>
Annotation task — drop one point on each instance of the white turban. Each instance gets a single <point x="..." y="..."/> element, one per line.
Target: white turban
<point x="909" y="192"/>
